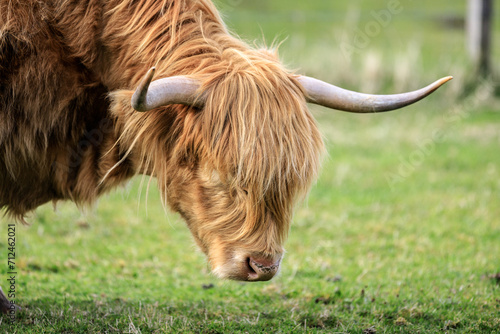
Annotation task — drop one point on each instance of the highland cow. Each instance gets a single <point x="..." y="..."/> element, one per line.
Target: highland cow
<point x="224" y="127"/>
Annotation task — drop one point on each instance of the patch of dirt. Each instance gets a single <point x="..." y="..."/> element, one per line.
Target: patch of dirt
<point x="370" y="330"/>
<point x="208" y="286"/>
<point x="495" y="277"/>
<point x="324" y="300"/>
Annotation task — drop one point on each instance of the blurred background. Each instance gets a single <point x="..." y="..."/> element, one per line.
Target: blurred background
<point x="375" y="46"/>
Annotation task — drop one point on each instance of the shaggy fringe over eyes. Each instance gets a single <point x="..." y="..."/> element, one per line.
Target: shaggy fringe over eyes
<point x="255" y="130"/>
<point x="260" y="133"/>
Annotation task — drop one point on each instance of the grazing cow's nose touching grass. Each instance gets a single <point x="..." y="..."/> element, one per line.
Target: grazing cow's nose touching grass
<point x="262" y="269"/>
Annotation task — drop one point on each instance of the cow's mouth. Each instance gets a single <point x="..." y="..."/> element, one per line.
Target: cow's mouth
<point x="252" y="269"/>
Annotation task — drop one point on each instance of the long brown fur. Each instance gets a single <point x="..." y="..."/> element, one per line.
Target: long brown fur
<point x="233" y="170"/>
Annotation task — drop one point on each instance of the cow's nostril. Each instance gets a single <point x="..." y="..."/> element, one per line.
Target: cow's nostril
<point x="249" y="267"/>
<point x="252" y="274"/>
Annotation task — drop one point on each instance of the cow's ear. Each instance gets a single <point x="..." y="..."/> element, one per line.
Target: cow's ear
<point x="120" y="101"/>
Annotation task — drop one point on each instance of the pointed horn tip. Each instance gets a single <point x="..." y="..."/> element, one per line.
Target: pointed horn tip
<point x="151" y="73"/>
<point x="140" y="93"/>
<point x="445" y="80"/>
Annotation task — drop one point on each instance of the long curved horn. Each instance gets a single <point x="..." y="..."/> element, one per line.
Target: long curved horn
<point x="161" y="92"/>
<point x="330" y="96"/>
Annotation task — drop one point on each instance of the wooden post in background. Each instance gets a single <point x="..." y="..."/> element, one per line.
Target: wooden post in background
<point x="479" y="31"/>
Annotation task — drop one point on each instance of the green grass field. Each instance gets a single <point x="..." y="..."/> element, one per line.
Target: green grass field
<point x="401" y="233"/>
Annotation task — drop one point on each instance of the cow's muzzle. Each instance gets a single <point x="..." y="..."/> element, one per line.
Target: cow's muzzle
<point x="262" y="269"/>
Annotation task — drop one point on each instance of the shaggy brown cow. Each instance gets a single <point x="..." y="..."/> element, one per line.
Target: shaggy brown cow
<point x="227" y="134"/>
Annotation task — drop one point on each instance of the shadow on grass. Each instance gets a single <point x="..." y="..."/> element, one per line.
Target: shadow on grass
<point x="318" y="315"/>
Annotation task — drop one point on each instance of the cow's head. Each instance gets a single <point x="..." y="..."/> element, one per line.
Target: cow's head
<point x="247" y="149"/>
